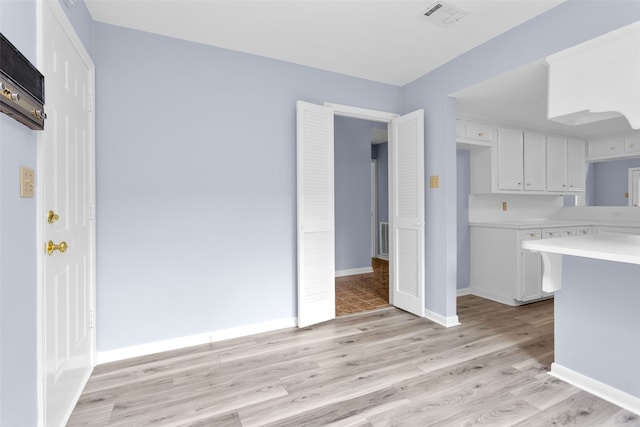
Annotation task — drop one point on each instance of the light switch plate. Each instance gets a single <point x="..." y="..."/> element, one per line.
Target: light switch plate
<point x="27" y="182"/>
<point x="434" y="181"/>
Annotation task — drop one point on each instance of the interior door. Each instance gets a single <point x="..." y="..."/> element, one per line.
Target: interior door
<point x="67" y="191"/>
<point x="406" y="163"/>
<point x="315" y="206"/>
<point x="634" y="187"/>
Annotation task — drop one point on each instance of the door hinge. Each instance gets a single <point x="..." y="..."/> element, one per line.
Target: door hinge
<point x="91" y="320"/>
<point x="90" y="101"/>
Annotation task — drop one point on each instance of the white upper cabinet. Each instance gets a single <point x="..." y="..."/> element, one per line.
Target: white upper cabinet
<point x="614" y="147"/>
<point x="565" y="164"/>
<point x="527" y="162"/>
<point x="510" y="167"/>
<point x="556" y="164"/>
<point x="576" y="164"/>
<point x="534" y="162"/>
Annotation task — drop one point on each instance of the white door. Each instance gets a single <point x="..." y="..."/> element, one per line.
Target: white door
<point x="556" y="163"/>
<point x="634" y="187"/>
<point x="315" y="204"/>
<point x="406" y="163"/>
<point x="66" y="153"/>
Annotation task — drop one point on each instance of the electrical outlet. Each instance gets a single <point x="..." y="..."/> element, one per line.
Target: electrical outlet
<point x="27" y="182"/>
<point x="504" y="206"/>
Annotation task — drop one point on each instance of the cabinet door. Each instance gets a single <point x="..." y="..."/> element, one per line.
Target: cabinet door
<point x="531" y="270"/>
<point x="509" y="164"/>
<point x="633" y="144"/>
<point x="556" y="164"/>
<point x="534" y="162"/>
<point x="576" y="171"/>
<point x="606" y="148"/>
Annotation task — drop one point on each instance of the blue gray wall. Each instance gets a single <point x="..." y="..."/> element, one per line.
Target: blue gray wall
<point x="608" y="181"/>
<point x="18" y="259"/>
<point x="463" y="166"/>
<point x="208" y="220"/>
<point x="352" y="181"/>
<point x="531" y="41"/>
<point x="602" y="322"/>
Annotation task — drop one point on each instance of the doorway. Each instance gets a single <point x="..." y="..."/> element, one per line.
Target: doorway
<point x="315" y="209"/>
<point x="361" y="197"/>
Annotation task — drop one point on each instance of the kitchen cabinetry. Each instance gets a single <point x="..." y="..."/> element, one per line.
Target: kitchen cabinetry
<point x="615" y="147"/>
<point x="502" y="271"/>
<point x="510" y="167"/>
<point x="471" y="134"/>
<point x="534" y="162"/>
<point x="520" y="161"/>
<point x="565" y="164"/>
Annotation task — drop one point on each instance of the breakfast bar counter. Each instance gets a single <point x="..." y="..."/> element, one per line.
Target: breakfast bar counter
<point x="596" y="280"/>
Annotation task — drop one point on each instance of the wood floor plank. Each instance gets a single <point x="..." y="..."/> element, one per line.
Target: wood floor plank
<point x="380" y="368"/>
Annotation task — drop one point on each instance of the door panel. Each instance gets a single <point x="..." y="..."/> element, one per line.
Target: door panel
<point x="67" y="177"/>
<point x="316" y="229"/>
<point x="406" y="270"/>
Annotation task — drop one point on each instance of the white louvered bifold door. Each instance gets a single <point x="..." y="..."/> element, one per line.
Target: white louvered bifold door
<point x="316" y="230"/>
<point x="406" y="160"/>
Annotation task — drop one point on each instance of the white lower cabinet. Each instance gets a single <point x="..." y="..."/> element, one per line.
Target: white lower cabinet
<point x="502" y="271"/>
<point x="531" y="288"/>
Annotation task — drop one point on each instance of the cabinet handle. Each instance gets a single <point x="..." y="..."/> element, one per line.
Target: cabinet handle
<point x="564" y="185"/>
<point x="612" y="148"/>
<point x="632" y="145"/>
<point x="480" y="134"/>
<point x="571" y="185"/>
<point x="528" y="183"/>
<point x="519" y="183"/>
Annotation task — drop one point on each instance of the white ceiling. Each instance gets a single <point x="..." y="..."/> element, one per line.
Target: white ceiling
<point x="384" y="41"/>
<point x="519" y="98"/>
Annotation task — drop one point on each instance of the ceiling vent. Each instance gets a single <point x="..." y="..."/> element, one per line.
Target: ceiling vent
<point x="443" y="14"/>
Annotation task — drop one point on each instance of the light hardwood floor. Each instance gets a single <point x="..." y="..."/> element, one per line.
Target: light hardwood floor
<point x="379" y="368"/>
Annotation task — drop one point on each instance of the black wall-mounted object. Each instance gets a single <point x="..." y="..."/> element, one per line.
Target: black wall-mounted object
<point x="21" y="87"/>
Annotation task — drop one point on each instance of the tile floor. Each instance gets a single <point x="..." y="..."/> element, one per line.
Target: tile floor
<point x="362" y="292"/>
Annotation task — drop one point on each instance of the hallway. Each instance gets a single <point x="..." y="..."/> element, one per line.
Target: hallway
<point x="363" y="292"/>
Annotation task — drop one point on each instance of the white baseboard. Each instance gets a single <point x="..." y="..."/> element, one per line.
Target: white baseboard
<point x="191" y="340"/>
<point x="447" y="322"/>
<point x="595" y="387"/>
<point x="384" y="257"/>
<point x="464" y="291"/>
<point x="493" y="297"/>
<point x="353" y="271"/>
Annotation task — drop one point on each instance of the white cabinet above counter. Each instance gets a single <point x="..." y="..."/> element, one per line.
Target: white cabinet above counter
<point x="515" y="161"/>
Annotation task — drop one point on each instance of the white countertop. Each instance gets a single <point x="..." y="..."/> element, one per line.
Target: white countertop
<point x="525" y="224"/>
<point x="609" y="247"/>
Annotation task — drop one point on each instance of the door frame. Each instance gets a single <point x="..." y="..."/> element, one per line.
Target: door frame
<point x="374" y="208"/>
<point x="41" y="210"/>
<point x="380" y="117"/>
<point x="632" y="171"/>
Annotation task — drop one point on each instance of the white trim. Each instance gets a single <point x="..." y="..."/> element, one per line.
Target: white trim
<point x="493" y="297"/>
<point x="354" y="271"/>
<point x="374" y="207"/>
<point x="597" y="388"/>
<point x="464" y="291"/>
<point x="191" y="340"/>
<point x="361" y="113"/>
<point x="384" y="257"/>
<point x="447" y="322"/>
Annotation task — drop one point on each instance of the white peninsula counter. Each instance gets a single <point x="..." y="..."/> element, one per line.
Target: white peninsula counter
<point x="596" y="280"/>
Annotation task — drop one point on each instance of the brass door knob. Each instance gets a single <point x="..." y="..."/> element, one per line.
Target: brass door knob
<point x="62" y="247"/>
<point x="52" y="217"/>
